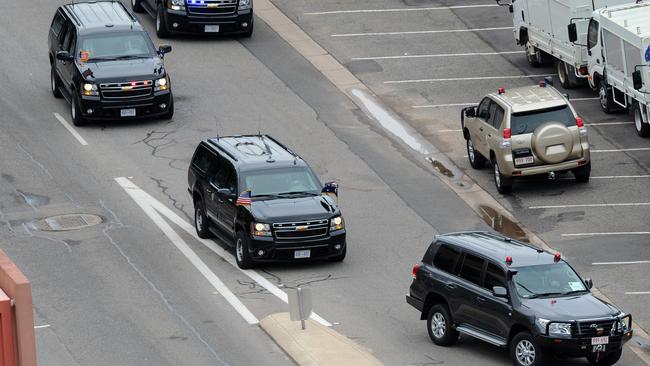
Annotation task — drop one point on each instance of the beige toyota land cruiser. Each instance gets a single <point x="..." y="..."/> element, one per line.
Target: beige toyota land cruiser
<point x="526" y="131"/>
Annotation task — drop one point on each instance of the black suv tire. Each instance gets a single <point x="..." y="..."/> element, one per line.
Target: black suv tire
<point x="503" y="184"/>
<point x="476" y="160"/>
<point x="608" y="360"/>
<point x="201" y="223"/>
<point x="161" y="26"/>
<point x="242" y="256"/>
<point x="524" y="351"/>
<point x="75" y="110"/>
<point x="136" y="5"/>
<point x="439" y="325"/>
<point x="56" y="84"/>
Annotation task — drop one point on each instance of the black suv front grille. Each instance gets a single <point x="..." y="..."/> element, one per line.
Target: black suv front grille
<point x="301" y="230"/>
<point x="131" y="89"/>
<point x="596" y="328"/>
<point x="212" y="7"/>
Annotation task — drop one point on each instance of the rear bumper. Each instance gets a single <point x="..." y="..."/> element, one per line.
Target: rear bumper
<point x="580" y="347"/>
<point x="279" y="251"/>
<point x="110" y="110"/>
<point x="228" y="24"/>
<point x="512" y="170"/>
<point x="415" y="302"/>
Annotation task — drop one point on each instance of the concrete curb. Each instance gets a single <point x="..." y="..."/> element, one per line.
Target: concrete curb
<point x="317" y="345"/>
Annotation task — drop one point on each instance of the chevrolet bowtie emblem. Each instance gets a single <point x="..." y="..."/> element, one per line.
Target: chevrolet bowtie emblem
<point x="301" y="228"/>
<point x="213" y="5"/>
<point x="127" y="87"/>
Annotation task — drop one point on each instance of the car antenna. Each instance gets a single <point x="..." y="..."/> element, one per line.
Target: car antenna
<point x="216" y="123"/>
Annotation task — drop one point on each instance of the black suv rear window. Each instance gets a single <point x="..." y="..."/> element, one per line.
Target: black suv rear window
<point x="527" y="122"/>
<point x="446" y="258"/>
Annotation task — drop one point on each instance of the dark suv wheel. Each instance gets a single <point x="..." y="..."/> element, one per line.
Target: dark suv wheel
<point x="161" y="26"/>
<point x="201" y="221"/>
<point x="242" y="256"/>
<point x="439" y="325"/>
<point x="75" y="110"/>
<point x="55" y="83"/>
<point x="524" y="351"/>
<point x="136" y="5"/>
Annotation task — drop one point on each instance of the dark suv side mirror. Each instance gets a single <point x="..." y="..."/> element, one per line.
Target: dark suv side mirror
<point x="331" y="189"/>
<point x="573" y="32"/>
<point x="224" y="191"/>
<point x="589" y="283"/>
<point x="64" y="56"/>
<point x="499" y="291"/>
<point x="470" y="112"/>
<point x="164" y="48"/>
<point x="637" y="80"/>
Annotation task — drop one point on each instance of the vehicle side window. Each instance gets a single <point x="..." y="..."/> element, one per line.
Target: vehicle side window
<point x="496" y="116"/>
<point x="592" y="34"/>
<point x="202" y="159"/>
<point x="482" y="110"/>
<point x="57" y="24"/>
<point x="446" y="258"/>
<point x="472" y="269"/>
<point x="494" y="276"/>
<point x="225" y="177"/>
<point x="67" y="41"/>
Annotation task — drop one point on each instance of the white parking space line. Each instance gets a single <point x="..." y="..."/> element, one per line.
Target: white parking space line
<point x="609" y="234"/>
<point x="401" y="9"/>
<point x="442" y="105"/>
<point x="158" y="207"/>
<point x="619" y="263"/>
<point x="582" y="99"/>
<point x="621" y="177"/>
<point x="406" y="56"/>
<point x="465" y="30"/>
<point x="41" y="326"/>
<point x="621" y="150"/>
<point x="467" y="79"/>
<point x="630" y="204"/>
<point x="71" y="129"/>
<point x="638" y="293"/>
<point x="609" y="123"/>
<point x="446" y="131"/>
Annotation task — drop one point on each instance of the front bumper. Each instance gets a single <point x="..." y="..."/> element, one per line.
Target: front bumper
<point x="182" y="22"/>
<point x="283" y="250"/>
<point x="580" y="347"/>
<point x="110" y="109"/>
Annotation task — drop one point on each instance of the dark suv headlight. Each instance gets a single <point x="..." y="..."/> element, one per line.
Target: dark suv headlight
<point x="624" y="324"/>
<point x="337" y="223"/>
<point x="245" y="4"/>
<point x="176" y="4"/>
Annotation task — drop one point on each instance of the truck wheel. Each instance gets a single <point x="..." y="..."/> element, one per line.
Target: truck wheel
<point x="161" y="26"/>
<point x="504" y="184"/>
<point x="605" y="360"/>
<point x="524" y="351"/>
<point x="582" y="174"/>
<point x="439" y="325"/>
<point x="532" y="55"/>
<point x="242" y="256"/>
<point x="606" y="98"/>
<point x="75" y="111"/>
<point x="136" y="5"/>
<point x="201" y="223"/>
<point x="642" y="127"/>
<point x="476" y="160"/>
<point x="563" y="75"/>
<point x="56" y="84"/>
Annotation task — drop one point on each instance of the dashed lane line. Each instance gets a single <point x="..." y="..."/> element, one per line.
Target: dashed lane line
<point x="619" y="263"/>
<point x="392" y="10"/>
<point x="401" y="57"/>
<point x="466" y="79"/>
<point x="41" y="326"/>
<point x="71" y="129"/>
<point x="638" y="293"/>
<point x="608" y="234"/>
<point x="629" y="204"/>
<point x="434" y="31"/>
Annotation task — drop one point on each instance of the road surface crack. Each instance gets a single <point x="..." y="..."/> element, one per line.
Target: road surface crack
<point x="174" y="201"/>
<point x="158" y="141"/>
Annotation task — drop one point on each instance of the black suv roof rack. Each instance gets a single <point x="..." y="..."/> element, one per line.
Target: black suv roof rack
<point x="507" y="243"/>
<point x="102" y="13"/>
<point x="253" y="148"/>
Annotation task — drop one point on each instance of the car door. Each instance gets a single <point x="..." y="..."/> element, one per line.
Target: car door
<point x="226" y="208"/>
<point x="494" y="313"/>
<point x="216" y="180"/>
<point x="468" y="288"/>
<point x="443" y="279"/>
<point x="478" y="135"/>
<point x="492" y="127"/>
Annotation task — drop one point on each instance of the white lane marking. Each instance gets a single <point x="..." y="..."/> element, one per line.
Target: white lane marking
<point x="41" y="326"/>
<point x="609" y="234"/>
<point x="592" y="205"/>
<point x="621" y="150"/>
<point x="189" y="228"/>
<point x="638" y="293"/>
<point x="466" y="30"/>
<point x="619" y="263"/>
<point x="466" y="79"/>
<point x="582" y="99"/>
<point x="621" y="176"/>
<point x="608" y="123"/>
<point x="445" y="131"/>
<point x="401" y="9"/>
<point x="144" y="201"/>
<point x="435" y="55"/>
<point x="71" y="129"/>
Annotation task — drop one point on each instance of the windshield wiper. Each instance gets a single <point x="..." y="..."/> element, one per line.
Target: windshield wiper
<point x="573" y="292"/>
<point x="298" y="192"/>
<point x="128" y="57"/>
<point x="265" y="195"/>
<point x="95" y="59"/>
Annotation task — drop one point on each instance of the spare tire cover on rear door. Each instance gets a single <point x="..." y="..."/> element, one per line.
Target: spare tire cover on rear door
<point x="552" y="142"/>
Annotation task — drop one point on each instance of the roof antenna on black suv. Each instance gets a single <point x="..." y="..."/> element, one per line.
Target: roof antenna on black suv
<point x="216" y="124"/>
<point x="268" y="150"/>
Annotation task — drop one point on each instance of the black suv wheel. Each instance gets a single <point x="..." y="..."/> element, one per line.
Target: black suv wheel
<point x="242" y="256"/>
<point x="137" y="6"/>
<point x="75" y="111"/>
<point x="605" y="360"/>
<point x="201" y="221"/>
<point x="439" y="325"/>
<point x="55" y="83"/>
<point x="524" y="351"/>
<point x="161" y="26"/>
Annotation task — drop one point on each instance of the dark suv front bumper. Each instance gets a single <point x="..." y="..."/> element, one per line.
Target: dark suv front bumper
<point x="580" y="347"/>
<point x="283" y="250"/>
<point x="182" y="22"/>
<point x="103" y="109"/>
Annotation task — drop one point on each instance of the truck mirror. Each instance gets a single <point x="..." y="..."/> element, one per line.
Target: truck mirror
<point x="64" y="56"/>
<point x="589" y="283"/>
<point x="470" y="112"/>
<point x="637" y="81"/>
<point x="499" y="291"/>
<point x="164" y="48"/>
<point x="573" y="32"/>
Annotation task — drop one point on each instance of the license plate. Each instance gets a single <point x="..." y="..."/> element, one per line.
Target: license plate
<point x="523" y="161"/>
<point x="598" y="348"/>
<point x="301" y="254"/>
<point x="127" y="112"/>
<point x="599" y="340"/>
<point x="211" y="29"/>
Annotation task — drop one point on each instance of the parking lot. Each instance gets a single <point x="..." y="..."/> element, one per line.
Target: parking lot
<point x="429" y="59"/>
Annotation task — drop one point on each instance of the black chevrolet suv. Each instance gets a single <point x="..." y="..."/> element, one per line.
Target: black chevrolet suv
<point x="253" y="192"/>
<point x="210" y="17"/>
<point x="105" y="64"/>
<point x="511" y="294"/>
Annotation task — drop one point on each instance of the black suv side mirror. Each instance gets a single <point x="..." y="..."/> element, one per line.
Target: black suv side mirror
<point x="164" y="48"/>
<point x="470" y="112"/>
<point x="637" y="80"/>
<point x="64" y="56"/>
<point x="573" y="32"/>
<point x="331" y="189"/>
<point x="589" y="283"/>
<point x="499" y="291"/>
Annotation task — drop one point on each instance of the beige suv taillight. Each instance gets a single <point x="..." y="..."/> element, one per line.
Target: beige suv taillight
<point x="581" y="126"/>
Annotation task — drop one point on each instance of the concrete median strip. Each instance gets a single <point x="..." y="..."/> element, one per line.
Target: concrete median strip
<point x="317" y="345"/>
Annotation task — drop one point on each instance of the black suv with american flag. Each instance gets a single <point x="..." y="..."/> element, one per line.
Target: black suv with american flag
<point x="254" y="192"/>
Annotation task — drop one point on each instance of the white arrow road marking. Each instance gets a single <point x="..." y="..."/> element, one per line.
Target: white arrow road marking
<point x="154" y="208"/>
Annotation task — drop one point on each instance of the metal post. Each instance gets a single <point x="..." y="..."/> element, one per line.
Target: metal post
<point x="300" y="308"/>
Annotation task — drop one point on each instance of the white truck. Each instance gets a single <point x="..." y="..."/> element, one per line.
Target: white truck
<point x="541" y="27"/>
<point x="618" y="52"/>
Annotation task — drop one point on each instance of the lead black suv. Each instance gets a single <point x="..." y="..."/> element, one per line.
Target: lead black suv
<point x="199" y="16"/>
<point x="255" y="193"/>
<point x="511" y="294"/>
<point x="105" y="64"/>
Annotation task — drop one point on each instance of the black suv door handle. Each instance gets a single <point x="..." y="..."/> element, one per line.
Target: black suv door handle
<point x="208" y="190"/>
<point x="481" y="299"/>
<point x="450" y="286"/>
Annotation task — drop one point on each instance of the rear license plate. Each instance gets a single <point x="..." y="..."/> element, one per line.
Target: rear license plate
<point x="127" y="112"/>
<point x="598" y="348"/>
<point x="211" y="29"/>
<point x="301" y="254"/>
<point x="599" y="340"/>
<point x="523" y="161"/>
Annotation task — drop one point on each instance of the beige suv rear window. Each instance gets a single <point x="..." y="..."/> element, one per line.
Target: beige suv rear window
<point x="527" y="122"/>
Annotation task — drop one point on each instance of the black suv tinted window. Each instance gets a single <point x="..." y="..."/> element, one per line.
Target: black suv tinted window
<point x="472" y="268"/>
<point x="446" y="258"/>
<point x="494" y="276"/>
<point x="57" y="24"/>
<point x="225" y="176"/>
<point x="202" y="158"/>
<point x="68" y="40"/>
<point x="527" y="122"/>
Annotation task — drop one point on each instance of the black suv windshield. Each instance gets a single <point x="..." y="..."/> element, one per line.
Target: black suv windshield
<point x="527" y="122"/>
<point x="281" y="182"/>
<point x="113" y="46"/>
<point x="545" y="280"/>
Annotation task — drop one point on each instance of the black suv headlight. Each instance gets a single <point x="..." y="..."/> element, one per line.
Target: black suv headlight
<point x="176" y="4"/>
<point x="554" y="329"/>
<point x="261" y="229"/>
<point x="89" y="89"/>
<point x="245" y="4"/>
<point x="161" y="84"/>
<point x="337" y="223"/>
<point x="624" y="323"/>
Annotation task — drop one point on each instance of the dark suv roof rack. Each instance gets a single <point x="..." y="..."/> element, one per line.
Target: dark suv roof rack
<point x="95" y="14"/>
<point x="253" y="148"/>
